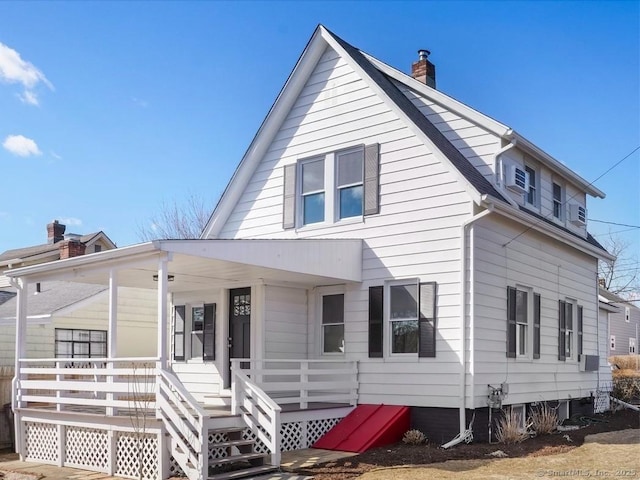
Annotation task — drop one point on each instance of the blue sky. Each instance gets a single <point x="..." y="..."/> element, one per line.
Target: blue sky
<point x="109" y="109"/>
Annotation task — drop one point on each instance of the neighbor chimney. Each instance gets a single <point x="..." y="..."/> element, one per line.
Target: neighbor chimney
<point x="602" y="283"/>
<point x="72" y="248"/>
<point x="423" y="70"/>
<point x="55" y="232"/>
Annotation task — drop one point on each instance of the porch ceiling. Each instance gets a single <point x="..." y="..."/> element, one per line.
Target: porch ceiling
<point x="201" y="264"/>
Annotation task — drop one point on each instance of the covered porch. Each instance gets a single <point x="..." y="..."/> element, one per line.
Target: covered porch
<point x="219" y="338"/>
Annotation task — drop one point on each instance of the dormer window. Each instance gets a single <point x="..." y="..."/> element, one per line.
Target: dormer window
<point x="557" y="201"/>
<point x="532" y="194"/>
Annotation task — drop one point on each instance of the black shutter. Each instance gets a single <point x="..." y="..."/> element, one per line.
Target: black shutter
<point x="289" y="197"/>
<point x="562" y="328"/>
<point x="579" y="331"/>
<point x="376" y="321"/>
<point x="427" y="321"/>
<point x="209" y="340"/>
<point x="178" y="332"/>
<point x="371" y="179"/>
<point x="536" y="325"/>
<point x="511" y="322"/>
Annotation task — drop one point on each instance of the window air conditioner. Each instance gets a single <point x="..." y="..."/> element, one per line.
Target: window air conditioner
<point x="517" y="179"/>
<point x="577" y="214"/>
<point x="589" y="363"/>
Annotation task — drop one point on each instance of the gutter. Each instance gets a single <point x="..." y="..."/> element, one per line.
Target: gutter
<point x="464" y="434"/>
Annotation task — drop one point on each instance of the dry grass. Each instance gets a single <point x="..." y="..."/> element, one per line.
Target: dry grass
<point x="544" y="419"/>
<point x="414" y="437"/>
<point x="510" y="428"/>
<point x="626" y="362"/>
<point x="626" y="379"/>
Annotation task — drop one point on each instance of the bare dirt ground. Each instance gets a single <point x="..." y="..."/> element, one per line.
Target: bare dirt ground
<point x="477" y="459"/>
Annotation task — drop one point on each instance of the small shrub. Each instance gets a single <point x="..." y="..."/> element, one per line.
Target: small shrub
<point x="414" y="437"/>
<point x="626" y="389"/>
<point x="544" y="419"/>
<point x="510" y="428"/>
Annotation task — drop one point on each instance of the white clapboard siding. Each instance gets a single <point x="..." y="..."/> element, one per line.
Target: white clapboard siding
<point x="285" y="322"/>
<point x="555" y="272"/>
<point x="202" y="380"/>
<point x="415" y="235"/>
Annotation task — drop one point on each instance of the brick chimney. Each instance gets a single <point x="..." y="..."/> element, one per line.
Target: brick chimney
<point x="71" y="247"/>
<point x="55" y="232"/>
<point x="423" y="70"/>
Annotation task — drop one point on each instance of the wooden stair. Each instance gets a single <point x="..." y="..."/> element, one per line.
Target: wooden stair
<point x="237" y="457"/>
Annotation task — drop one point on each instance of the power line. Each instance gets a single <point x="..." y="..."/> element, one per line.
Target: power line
<point x="633" y="227"/>
<point x="572" y="196"/>
<point x="613" y="233"/>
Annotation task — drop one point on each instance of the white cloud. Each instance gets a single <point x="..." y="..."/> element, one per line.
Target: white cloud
<point x="55" y="155"/>
<point x="13" y="69"/>
<point x="21" y="146"/>
<point x="71" y="221"/>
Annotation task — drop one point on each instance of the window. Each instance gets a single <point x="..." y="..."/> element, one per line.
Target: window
<point x="632" y="346"/>
<point x="97" y="248"/>
<point x="201" y="332"/>
<point x="532" y="198"/>
<point x="569" y="331"/>
<point x="349" y="167"/>
<point x="519" y="411"/>
<point x="627" y="314"/>
<point x="312" y="191"/>
<point x="523" y="323"/>
<point x="612" y="342"/>
<point x="570" y="324"/>
<point x="74" y="343"/>
<point x="333" y="323"/>
<point x="403" y="317"/>
<point x="178" y="332"/>
<point x="557" y="201"/>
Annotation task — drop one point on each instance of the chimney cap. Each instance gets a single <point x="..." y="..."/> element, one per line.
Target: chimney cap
<point x="423" y="54"/>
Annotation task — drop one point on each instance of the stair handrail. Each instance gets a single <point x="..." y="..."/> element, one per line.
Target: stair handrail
<point x="171" y="411"/>
<point x="260" y="413"/>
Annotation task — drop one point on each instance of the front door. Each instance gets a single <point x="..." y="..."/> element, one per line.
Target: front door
<point x="240" y="323"/>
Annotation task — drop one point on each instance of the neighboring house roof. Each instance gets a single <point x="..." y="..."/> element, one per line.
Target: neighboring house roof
<point x="6" y="295"/>
<point x="379" y="76"/>
<point x="46" y="249"/>
<point x="53" y="297"/>
<point x="613" y="298"/>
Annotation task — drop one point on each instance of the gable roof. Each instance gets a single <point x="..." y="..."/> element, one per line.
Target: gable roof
<point x="45" y="249"/>
<point x="53" y="297"/>
<point x="613" y="298"/>
<point x="380" y="77"/>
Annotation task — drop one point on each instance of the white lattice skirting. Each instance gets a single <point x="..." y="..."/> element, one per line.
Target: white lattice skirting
<point x="93" y="449"/>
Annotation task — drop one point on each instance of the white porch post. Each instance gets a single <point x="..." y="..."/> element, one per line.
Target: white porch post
<point x="21" y="350"/>
<point x="162" y="311"/>
<point x="112" y="338"/>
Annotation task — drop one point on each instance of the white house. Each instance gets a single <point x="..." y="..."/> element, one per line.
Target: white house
<point x="379" y="243"/>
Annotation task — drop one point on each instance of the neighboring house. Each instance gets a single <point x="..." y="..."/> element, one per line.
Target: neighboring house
<point x="58" y="246"/>
<point x="431" y="256"/>
<point x="70" y="319"/>
<point x="623" y="325"/>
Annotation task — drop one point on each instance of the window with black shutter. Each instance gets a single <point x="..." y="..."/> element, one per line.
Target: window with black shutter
<point x="376" y="321"/>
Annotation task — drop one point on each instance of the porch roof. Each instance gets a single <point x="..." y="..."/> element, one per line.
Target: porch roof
<point x="200" y="264"/>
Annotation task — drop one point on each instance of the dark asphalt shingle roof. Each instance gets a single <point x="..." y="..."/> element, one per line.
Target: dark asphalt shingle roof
<point x="52" y="297"/>
<point x="34" y="250"/>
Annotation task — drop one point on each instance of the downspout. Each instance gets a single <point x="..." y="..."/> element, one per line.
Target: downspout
<point x="497" y="157"/>
<point x="463" y="312"/>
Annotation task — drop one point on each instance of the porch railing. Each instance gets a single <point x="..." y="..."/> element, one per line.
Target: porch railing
<point x="100" y="385"/>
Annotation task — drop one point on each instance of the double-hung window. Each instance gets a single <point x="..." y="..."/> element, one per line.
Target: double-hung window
<point x="312" y="190"/>
<point x="532" y="193"/>
<point x="612" y="342"/>
<point x="349" y="182"/>
<point x="557" y="201"/>
<point x="403" y="317"/>
<point x="632" y="346"/>
<point x="569" y="335"/>
<point x="570" y="330"/>
<point x="333" y="323"/>
<point x="522" y="322"/>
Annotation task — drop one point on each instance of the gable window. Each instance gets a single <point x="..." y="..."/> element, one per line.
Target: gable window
<point x="523" y="323"/>
<point x="331" y="187"/>
<point x="557" y="201"/>
<point x="312" y="191"/>
<point x="349" y="183"/>
<point x="532" y="193"/>
<point x="612" y="342"/>
<point x="333" y="323"/>
<point x="76" y="343"/>
<point x="627" y="314"/>
<point x="97" y="248"/>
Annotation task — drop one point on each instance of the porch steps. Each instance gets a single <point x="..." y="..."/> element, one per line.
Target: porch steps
<point x="237" y="456"/>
